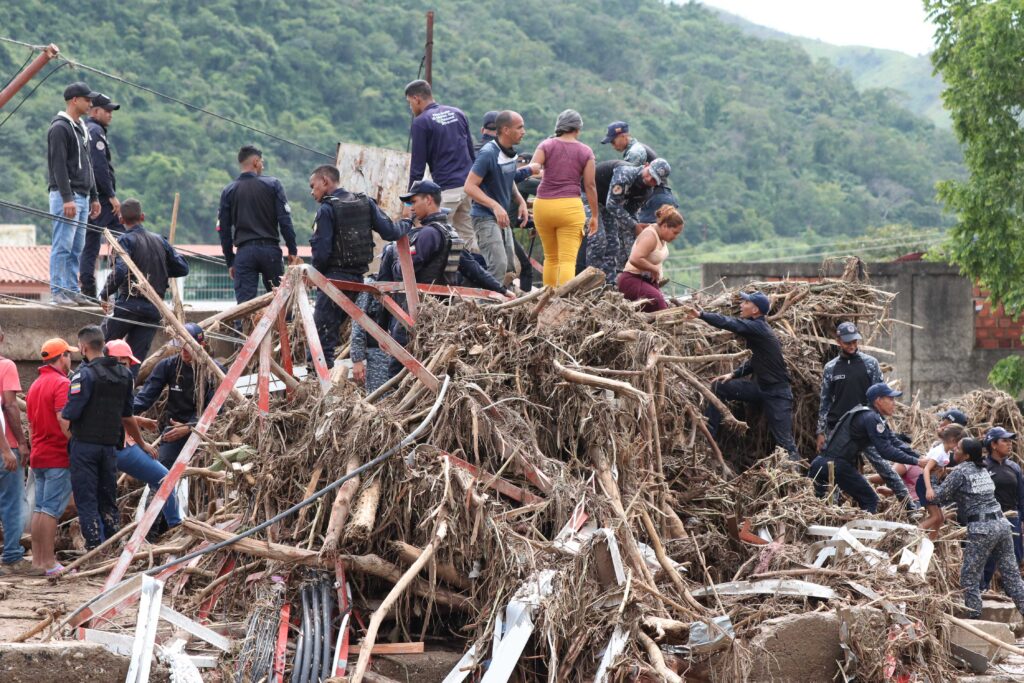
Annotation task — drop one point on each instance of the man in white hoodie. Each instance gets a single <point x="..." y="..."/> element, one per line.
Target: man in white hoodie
<point x="73" y="195"/>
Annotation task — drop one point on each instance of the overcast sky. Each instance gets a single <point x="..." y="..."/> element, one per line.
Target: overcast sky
<point x="891" y="24"/>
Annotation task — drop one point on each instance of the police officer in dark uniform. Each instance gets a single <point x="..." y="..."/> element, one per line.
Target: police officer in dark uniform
<point x="634" y="152"/>
<point x="771" y="388"/>
<point x="252" y="208"/>
<point x="630" y="187"/>
<point x="178" y="374"/>
<point x="106" y="186"/>
<point x="134" y="315"/>
<point x="342" y="244"/>
<point x="99" y="409"/>
<point x="439" y="256"/>
<point x="861" y="428"/>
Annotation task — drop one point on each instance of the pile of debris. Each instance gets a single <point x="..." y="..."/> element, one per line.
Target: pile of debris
<point x="560" y="511"/>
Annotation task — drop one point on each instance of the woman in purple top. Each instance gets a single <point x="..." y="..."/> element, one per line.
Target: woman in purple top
<point x="558" y="211"/>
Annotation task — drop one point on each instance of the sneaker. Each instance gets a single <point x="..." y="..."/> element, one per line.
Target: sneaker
<point x="62" y="300"/>
<point x="20" y="568"/>
<point x="81" y="299"/>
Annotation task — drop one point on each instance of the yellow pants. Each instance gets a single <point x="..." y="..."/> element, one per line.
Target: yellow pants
<point x="560" y="226"/>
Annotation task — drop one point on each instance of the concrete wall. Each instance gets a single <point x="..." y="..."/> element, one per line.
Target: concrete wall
<point x="941" y="359"/>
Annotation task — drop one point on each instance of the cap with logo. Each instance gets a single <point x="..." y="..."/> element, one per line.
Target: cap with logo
<point x="848" y="332"/>
<point x="78" y="89"/>
<point x="759" y="299"/>
<point x="881" y="390"/>
<point x="615" y="129"/>
<point x="55" y="347"/>
<point x="997" y="433"/>
<point x="489" y="119"/>
<point x="421" y="187"/>
<point x="195" y="331"/>
<point x="955" y="416"/>
<point x="660" y="171"/>
<point x="119" y="348"/>
<point x="104" y="102"/>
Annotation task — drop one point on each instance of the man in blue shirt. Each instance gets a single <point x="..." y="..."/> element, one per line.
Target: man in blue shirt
<point x="491" y="185"/>
<point x="135" y="318"/>
<point x="252" y="209"/>
<point x="342" y="245"/>
<point x="442" y="141"/>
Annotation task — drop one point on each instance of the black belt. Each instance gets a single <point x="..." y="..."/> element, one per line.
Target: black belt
<point x="984" y="518"/>
<point x="258" y="241"/>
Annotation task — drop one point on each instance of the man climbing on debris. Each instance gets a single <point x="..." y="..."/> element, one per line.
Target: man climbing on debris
<point x="99" y="409"/>
<point x="135" y="317"/>
<point x="253" y="216"/>
<point x="844" y="385"/>
<point x="634" y="152"/>
<point x="439" y="256"/>
<point x="771" y="386"/>
<point x="100" y="116"/>
<point x="861" y="428"/>
<point x="342" y="243"/>
<point x="183" y="407"/>
<point x="630" y="187"/>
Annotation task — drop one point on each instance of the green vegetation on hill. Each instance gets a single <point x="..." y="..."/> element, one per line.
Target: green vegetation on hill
<point x="764" y="142"/>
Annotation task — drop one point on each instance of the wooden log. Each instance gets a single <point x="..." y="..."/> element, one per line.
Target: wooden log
<point x="1013" y="649"/>
<point x="694" y="381"/>
<point x="403" y="583"/>
<point x="311" y="487"/>
<point x="709" y="358"/>
<point x="446" y="571"/>
<point x="176" y="325"/>
<point x="340" y="509"/>
<point x="666" y="564"/>
<point x="373" y="565"/>
<point x="657" y="659"/>
<point x="121" y="533"/>
<point x="522" y="300"/>
<point x="364" y="517"/>
<point x="390" y="649"/>
<point x="620" y="388"/>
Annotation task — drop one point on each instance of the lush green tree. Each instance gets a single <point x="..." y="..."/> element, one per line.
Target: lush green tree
<point x="978" y="52"/>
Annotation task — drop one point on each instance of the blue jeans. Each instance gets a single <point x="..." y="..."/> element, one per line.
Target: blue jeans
<point x="136" y="463"/>
<point x="68" y="242"/>
<point x="12" y="494"/>
<point x="847" y="478"/>
<point x="94" y="483"/>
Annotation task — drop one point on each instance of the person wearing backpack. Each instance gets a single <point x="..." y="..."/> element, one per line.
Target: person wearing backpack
<point x="342" y="243"/>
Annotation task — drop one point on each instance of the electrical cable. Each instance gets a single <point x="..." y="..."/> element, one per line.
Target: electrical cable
<point x="20" y="69"/>
<point x="12" y="41"/>
<point x="32" y="92"/>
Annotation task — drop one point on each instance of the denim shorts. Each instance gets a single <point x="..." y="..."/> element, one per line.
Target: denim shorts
<point x="53" y="490"/>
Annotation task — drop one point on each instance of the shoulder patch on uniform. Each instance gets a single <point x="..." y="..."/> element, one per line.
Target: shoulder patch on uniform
<point x="880" y="427"/>
<point x="287" y="208"/>
<point x="617" y="189"/>
<point x="100" y="146"/>
<point x="76" y="387"/>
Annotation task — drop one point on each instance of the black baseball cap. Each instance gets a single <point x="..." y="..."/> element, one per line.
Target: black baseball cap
<point x="421" y="187"/>
<point x="489" y="119"/>
<point x="78" y="89"/>
<point x="759" y="299"/>
<point x="997" y="433"/>
<point x="880" y="390"/>
<point x="955" y="416"/>
<point x="848" y="332"/>
<point x="104" y="102"/>
<point x="615" y="129"/>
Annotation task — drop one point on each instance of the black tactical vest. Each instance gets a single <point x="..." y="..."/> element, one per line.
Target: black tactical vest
<point x="100" y="422"/>
<point x="151" y="258"/>
<point x="840" y="444"/>
<point x="441" y="269"/>
<point x="353" y="238"/>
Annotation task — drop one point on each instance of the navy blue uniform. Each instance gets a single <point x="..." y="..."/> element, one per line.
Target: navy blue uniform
<point x="858" y="431"/>
<point x="327" y="315"/>
<point x="1009" y="492"/>
<point x="771" y="386"/>
<point x="98" y="398"/>
<point x="158" y="260"/>
<point x="252" y="209"/>
<point x="106" y="187"/>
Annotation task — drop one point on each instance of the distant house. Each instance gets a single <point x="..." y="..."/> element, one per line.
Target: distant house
<point x="25" y="272"/>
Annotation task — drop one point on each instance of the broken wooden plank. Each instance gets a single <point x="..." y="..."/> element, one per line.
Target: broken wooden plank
<point x="392" y="649"/>
<point x="195" y="628"/>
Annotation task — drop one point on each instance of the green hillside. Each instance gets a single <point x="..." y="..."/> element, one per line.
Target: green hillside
<point x="764" y="142"/>
<point x="911" y="77"/>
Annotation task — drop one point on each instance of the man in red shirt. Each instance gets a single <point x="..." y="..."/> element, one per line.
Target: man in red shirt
<point x="46" y="398"/>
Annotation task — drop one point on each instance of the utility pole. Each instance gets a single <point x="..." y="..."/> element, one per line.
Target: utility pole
<point x="48" y="53"/>
<point x="428" y="59"/>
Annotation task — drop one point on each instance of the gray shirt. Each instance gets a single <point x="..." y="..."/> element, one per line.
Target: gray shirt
<point x="973" y="490"/>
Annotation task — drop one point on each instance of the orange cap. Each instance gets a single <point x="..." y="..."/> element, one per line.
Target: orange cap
<point x="118" y="348"/>
<point x="55" y="347"/>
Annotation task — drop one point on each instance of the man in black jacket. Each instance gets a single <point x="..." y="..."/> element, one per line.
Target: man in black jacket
<point x="771" y="388"/>
<point x="100" y="116"/>
<point x="252" y="208"/>
<point x="73" y="195"/>
<point x="135" y="318"/>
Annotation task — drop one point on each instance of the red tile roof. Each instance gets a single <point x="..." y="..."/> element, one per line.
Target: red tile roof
<point x="18" y="262"/>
